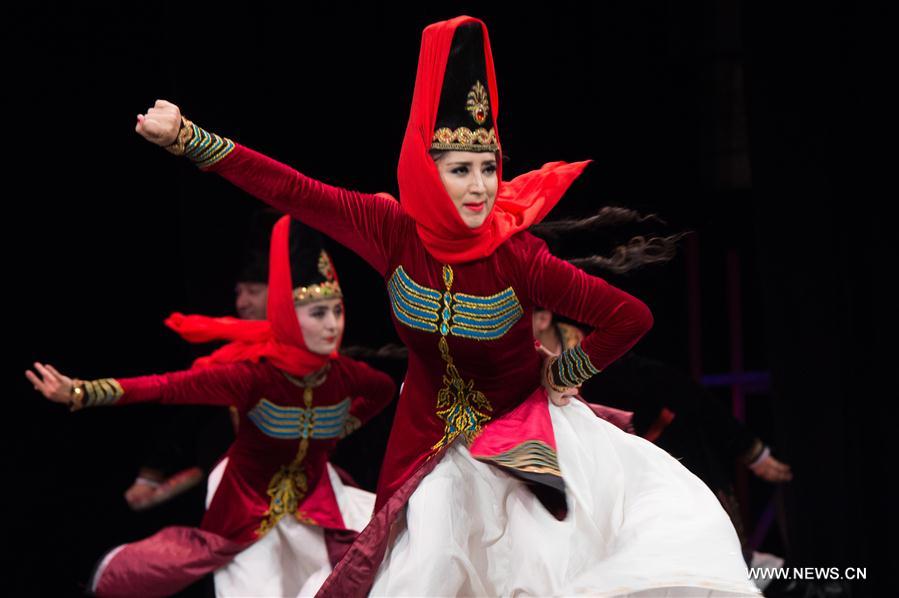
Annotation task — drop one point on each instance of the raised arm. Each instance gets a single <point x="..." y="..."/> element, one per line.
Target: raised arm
<point x="363" y="222"/>
<point x="226" y="384"/>
<point x="618" y="319"/>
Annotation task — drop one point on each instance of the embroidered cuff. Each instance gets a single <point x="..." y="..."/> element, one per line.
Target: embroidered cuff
<point x="204" y="148"/>
<point x="572" y="368"/>
<point x="105" y="391"/>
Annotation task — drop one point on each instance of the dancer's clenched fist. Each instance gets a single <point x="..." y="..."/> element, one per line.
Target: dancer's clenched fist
<point x="160" y="124"/>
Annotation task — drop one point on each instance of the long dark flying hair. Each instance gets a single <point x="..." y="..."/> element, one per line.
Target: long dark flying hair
<point x="639" y="251"/>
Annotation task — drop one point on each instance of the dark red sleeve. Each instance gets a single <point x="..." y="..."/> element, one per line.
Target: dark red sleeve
<point x="618" y="319"/>
<point x="372" y="390"/>
<point x="227" y="384"/>
<point x="362" y="222"/>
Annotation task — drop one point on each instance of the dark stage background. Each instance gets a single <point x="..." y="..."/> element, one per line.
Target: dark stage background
<point x="747" y="124"/>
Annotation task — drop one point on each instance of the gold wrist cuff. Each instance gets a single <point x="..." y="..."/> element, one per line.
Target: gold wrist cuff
<point x="548" y="375"/>
<point x="77" y="393"/>
<point x="185" y="134"/>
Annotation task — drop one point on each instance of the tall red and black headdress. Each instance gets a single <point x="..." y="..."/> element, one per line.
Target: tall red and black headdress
<point x="455" y="107"/>
<point x="300" y="272"/>
<point x="464" y="119"/>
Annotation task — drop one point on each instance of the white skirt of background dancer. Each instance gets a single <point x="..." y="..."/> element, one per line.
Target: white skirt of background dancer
<point x="291" y="559"/>
<point x="639" y="523"/>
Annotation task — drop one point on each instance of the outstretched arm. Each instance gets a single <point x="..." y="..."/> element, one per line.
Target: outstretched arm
<point x="363" y="222"/>
<point x="227" y="384"/>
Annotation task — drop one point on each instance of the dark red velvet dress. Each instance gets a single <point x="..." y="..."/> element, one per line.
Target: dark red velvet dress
<point x="473" y="371"/>
<point x="276" y="465"/>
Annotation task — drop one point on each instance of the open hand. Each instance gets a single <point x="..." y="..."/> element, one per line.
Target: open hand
<point x="51" y="384"/>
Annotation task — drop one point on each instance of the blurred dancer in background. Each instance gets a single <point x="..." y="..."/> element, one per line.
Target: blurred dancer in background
<point x="280" y="515"/>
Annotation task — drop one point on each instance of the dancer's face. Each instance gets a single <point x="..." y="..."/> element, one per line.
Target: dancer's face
<point x="250" y="300"/>
<point x="322" y="324"/>
<point x="470" y="180"/>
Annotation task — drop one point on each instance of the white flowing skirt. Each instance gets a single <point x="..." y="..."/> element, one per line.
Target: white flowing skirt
<point x="291" y="559"/>
<point x="639" y="523"/>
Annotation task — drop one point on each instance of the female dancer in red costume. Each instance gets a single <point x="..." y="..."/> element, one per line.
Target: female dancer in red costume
<point x="280" y="516"/>
<point x="488" y="488"/>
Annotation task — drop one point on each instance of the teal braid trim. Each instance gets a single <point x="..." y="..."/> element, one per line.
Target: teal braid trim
<point x="205" y="148"/>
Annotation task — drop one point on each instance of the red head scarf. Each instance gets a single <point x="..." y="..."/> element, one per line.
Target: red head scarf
<point x="521" y="202"/>
<point x="277" y="338"/>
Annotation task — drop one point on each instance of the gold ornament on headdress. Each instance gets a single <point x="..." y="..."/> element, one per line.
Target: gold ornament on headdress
<point x="478" y="103"/>
<point x="329" y="289"/>
<point x="326" y="266"/>
<point x="464" y="139"/>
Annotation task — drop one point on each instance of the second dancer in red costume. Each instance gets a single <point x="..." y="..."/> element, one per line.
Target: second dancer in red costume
<point x="488" y="488"/>
<point x="280" y="516"/>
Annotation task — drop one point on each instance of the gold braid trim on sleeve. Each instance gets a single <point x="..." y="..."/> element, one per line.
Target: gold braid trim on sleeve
<point x="204" y="148"/>
<point x="185" y="134"/>
<point x="572" y="368"/>
<point x="96" y="393"/>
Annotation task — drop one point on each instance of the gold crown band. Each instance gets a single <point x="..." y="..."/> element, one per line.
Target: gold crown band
<point x="317" y="292"/>
<point x="465" y="140"/>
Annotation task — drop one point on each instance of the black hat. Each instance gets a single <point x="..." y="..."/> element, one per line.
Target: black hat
<point x="254" y="262"/>
<point x="311" y="269"/>
<point x="465" y="121"/>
